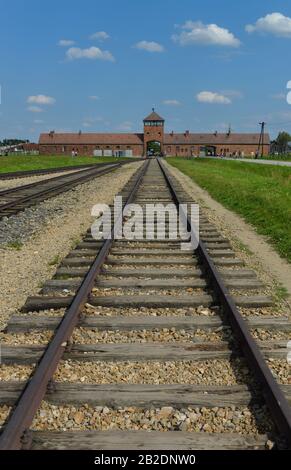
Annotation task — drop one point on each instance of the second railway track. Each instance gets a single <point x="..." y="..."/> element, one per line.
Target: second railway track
<point x="17" y="199"/>
<point x="138" y="336"/>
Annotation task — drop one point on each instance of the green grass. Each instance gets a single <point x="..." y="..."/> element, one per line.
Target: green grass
<point x="283" y="158"/>
<point x="41" y="162"/>
<point x="281" y="293"/>
<point x="16" y="245"/>
<point x="259" y="193"/>
<point x="55" y="261"/>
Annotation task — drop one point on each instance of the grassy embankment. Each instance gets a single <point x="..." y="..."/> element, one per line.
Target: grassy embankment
<point x="283" y="158"/>
<point x="259" y="193"/>
<point x="40" y="162"/>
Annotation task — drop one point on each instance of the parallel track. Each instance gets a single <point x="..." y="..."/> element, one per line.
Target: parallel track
<point x="17" y="199"/>
<point x="125" y="275"/>
<point x="11" y="175"/>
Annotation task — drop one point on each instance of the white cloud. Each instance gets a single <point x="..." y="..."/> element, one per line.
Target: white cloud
<point x="171" y="102"/>
<point x="66" y="42"/>
<point x="212" y="98"/>
<point x="273" y="23"/>
<point x="125" y="126"/>
<point x="41" y="99"/>
<point x="149" y="46"/>
<point x="35" y="109"/>
<point x="86" y="124"/>
<point x="100" y="36"/>
<point x="196" y="32"/>
<point x="94" y="98"/>
<point x="92" y="53"/>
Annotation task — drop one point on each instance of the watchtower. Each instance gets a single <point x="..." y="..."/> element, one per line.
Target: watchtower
<point x="153" y="131"/>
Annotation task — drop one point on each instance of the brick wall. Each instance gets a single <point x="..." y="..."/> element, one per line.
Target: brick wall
<point x="152" y="133"/>
<point x="88" y="150"/>
<point x="190" y="150"/>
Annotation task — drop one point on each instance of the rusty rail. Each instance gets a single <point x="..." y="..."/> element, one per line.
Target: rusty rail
<point x="16" y="434"/>
<point x="276" y="401"/>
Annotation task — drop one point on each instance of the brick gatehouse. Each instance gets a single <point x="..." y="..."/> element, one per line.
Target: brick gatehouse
<point x="173" y="144"/>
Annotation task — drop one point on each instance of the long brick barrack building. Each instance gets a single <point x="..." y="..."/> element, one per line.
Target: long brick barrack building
<point x="138" y="144"/>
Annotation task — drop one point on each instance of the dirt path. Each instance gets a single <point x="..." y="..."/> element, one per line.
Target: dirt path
<point x="262" y="255"/>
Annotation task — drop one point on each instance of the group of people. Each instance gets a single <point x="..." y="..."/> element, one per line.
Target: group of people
<point x="239" y="154"/>
<point x="74" y="153"/>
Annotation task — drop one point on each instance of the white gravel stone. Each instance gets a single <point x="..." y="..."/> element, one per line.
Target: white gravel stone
<point x="241" y="420"/>
<point x="18" y="182"/>
<point x="212" y="372"/>
<point x="57" y="224"/>
<point x="144" y="311"/>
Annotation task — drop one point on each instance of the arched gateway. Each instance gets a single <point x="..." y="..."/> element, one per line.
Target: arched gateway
<point x="153" y="139"/>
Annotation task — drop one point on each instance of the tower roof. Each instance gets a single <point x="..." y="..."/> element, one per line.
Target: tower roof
<point x="154" y="117"/>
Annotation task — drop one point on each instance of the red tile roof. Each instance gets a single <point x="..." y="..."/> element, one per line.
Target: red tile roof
<point x="154" y="117"/>
<point x="214" y="139"/>
<point x="90" y="139"/>
<point x="138" y="139"/>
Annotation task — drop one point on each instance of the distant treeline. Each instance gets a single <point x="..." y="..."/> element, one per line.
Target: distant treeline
<point x="282" y="144"/>
<point x="8" y="142"/>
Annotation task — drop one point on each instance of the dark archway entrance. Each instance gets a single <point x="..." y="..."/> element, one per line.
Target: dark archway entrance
<point x="207" y="151"/>
<point x="154" y="148"/>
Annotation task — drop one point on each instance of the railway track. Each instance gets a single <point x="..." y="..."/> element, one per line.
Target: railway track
<point x="17" y="199"/>
<point x="138" y="336"/>
<point x="45" y="171"/>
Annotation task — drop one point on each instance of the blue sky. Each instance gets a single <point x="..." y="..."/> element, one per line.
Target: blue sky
<point x="100" y="66"/>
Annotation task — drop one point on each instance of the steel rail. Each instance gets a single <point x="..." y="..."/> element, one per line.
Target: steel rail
<point x="276" y="401"/>
<point x="81" y="171"/>
<point x="26" y="173"/>
<point x="44" y="171"/>
<point x="55" y="189"/>
<point x="16" y="435"/>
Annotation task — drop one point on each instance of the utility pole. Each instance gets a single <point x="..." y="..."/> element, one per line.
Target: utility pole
<point x="262" y="136"/>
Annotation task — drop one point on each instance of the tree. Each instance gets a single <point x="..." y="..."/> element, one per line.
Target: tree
<point x="154" y="148"/>
<point x="282" y="141"/>
<point x="8" y="142"/>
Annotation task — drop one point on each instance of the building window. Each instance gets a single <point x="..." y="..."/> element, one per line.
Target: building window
<point x="153" y="123"/>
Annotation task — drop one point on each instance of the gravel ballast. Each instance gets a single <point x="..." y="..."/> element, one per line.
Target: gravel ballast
<point x="144" y="311"/>
<point x="18" y="182"/>
<point x="48" y="233"/>
<point x="212" y="372"/>
<point x="242" y="420"/>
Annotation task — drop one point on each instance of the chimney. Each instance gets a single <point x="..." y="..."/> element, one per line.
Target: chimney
<point x="172" y="134"/>
<point x="187" y="133"/>
<point x="51" y="134"/>
<point x="215" y="133"/>
<point x="80" y="132"/>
